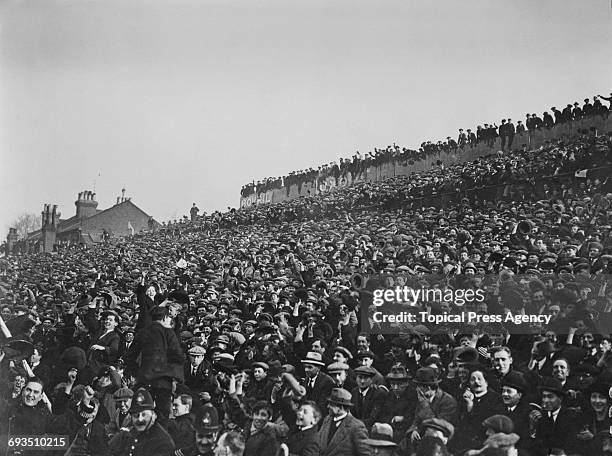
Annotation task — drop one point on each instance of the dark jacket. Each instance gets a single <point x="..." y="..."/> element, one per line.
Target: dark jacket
<point x="404" y="406"/>
<point x="304" y="443"/>
<point x="369" y="409"/>
<point x="182" y="431"/>
<point x="470" y="432"/>
<point x="321" y="390"/>
<point x="153" y="442"/>
<point x="161" y="354"/>
<point x="98" y="359"/>
<point x="520" y="418"/>
<point x="348" y="440"/>
<point x="261" y="442"/>
<point x="300" y="443"/>
<point x="560" y="434"/>
<point x="88" y="440"/>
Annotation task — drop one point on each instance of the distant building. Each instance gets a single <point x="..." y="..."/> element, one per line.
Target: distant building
<point x="88" y="226"/>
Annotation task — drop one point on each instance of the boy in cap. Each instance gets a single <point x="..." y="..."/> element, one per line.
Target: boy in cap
<point x="146" y="437"/>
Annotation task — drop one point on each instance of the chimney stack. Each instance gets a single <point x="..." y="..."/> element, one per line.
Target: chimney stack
<point x="86" y="205"/>
<point x="48" y="230"/>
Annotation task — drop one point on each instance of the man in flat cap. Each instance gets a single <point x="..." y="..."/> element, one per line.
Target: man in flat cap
<point x="197" y="370"/>
<point x="369" y="399"/>
<point x="146" y="437"/>
<point x="121" y="419"/>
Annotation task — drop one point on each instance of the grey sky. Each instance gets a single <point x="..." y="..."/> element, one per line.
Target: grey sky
<point x="184" y="101"/>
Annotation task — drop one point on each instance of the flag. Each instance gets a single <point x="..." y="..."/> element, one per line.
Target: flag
<point x="581" y="173"/>
<point x="130" y="227"/>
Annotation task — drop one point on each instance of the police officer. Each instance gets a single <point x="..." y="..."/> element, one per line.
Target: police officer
<point x="207" y="430"/>
<point x="146" y="437"/>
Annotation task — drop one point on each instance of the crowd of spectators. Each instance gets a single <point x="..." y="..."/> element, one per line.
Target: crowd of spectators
<point x="253" y="331"/>
<point x="485" y="134"/>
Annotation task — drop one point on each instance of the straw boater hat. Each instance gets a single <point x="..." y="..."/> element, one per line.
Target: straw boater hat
<point x="314" y="358"/>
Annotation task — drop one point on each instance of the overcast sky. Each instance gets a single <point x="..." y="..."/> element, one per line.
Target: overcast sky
<point x="183" y="101"/>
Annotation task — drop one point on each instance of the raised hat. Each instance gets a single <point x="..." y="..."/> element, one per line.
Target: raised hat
<point x="340" y="396"/>
<point x="314" y="358"/>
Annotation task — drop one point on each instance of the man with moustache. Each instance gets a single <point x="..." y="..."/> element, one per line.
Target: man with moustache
<point x="207" y="431"/>
<point x="146" y="437"/>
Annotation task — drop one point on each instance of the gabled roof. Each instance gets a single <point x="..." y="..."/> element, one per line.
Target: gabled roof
<point x="125" y="203"/>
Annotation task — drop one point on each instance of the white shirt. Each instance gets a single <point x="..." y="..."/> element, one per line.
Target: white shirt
<point x="341" y="417"/>
<point x="554" y="415"/>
